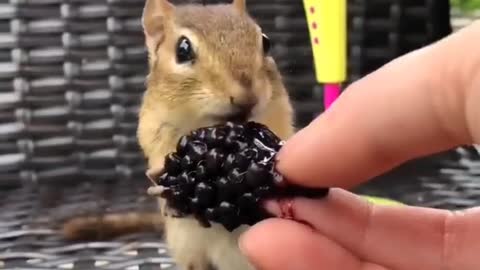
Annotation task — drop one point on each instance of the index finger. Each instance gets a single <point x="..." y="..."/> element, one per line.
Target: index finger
<point x="413" y="106"/>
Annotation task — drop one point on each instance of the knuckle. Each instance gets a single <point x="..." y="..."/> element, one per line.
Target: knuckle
<point x="369" y="214"/>
<point x="450" y="243"/>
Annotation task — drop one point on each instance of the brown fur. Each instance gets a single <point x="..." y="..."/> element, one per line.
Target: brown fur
<point x="110" y="225"/>
<point x="230" y="67"/>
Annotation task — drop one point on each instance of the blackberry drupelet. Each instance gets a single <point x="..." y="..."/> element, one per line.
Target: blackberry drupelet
<point x="222" y="173"/>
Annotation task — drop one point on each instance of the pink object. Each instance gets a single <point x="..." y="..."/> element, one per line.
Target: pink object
<point x="331" y="93"/>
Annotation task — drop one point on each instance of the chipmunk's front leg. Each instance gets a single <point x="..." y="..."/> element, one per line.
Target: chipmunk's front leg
<point x="189" y="243"/>
<point x="227" y="255"/>
<point x="186" y="240"/>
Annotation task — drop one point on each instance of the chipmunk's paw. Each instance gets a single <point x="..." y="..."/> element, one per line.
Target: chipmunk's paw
<point x="154" y="173"/>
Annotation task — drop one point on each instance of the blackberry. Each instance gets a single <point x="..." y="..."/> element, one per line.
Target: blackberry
<point x="222" y="173"/>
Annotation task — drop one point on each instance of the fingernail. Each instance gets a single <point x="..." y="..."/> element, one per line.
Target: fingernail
<point x="280" y="152"/>
<point x="273" y="207"/>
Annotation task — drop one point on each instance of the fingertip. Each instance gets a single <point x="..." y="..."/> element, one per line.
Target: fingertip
<point x="286" y="244"/>
<point x="253" y="234"/>
<point x="248" y="241"/>
<point x="273" y="207"/>
<point x="264" y="243"/>
<point x="292" y="161"/>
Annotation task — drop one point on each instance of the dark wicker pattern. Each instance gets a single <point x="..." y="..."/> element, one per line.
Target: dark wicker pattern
<point x="30" y="215"/>
<point x="71" y="77"/>
<point x="382" y="30"/>
<point x="448" y="180"/>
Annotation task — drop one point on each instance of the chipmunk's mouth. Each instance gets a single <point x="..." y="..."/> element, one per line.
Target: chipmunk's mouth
<point x="239" y="117"/>
<point x="237" y="114"/>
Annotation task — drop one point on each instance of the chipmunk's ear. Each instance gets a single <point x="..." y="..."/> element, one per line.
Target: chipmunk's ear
<point x="240" y="5"/>
<point x="156" y="15"/>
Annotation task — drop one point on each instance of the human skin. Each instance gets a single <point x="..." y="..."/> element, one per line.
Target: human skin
<point x="422" y="103"/>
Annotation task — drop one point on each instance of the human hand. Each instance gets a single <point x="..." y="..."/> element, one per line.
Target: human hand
<point x="422" y="103"/>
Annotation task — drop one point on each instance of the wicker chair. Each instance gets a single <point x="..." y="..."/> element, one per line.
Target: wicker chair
<point x="71" y="77"/>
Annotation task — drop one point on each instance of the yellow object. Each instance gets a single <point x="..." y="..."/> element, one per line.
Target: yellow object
<point x="327" y="23"/>
<point x="382" y="201"/>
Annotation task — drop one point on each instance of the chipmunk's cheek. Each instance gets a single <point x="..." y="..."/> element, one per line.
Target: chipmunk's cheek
<point x="264" y="94"/>
<point x="212" y="103"/>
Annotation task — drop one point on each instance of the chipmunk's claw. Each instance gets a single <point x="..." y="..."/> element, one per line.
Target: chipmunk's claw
<point x="155" y="191"/>
<point x="153" y="174"/>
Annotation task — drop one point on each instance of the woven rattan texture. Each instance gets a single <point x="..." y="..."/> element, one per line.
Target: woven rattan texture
<point x="30" y="217"/>
<point x="71" y="77"/>
<point x="448" y="180"/>
<point x="382" y="30"/>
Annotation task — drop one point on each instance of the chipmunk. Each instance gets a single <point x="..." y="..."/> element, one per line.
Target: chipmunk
<point x="208" y="64"/>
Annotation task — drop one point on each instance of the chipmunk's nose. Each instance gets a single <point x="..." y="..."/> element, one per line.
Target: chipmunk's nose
<point x="245" y="104"/>
<point x="242" y="109"/>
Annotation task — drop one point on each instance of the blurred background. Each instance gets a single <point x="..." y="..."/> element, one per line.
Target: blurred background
<point x="71" y="77"/>
<point x="466" y="5"/>
<point x="463" y="12"/>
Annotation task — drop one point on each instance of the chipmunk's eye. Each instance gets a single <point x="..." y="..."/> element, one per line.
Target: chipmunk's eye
<point x="185" y="51"/>
<point x="266" y="43"/>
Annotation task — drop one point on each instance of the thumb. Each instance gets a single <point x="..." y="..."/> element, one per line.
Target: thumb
<point x="385" y="235"/>
<point x="283" y="244"/>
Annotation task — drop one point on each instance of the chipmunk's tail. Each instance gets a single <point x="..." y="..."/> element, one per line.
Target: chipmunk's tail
<point x="107" y="226"/>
